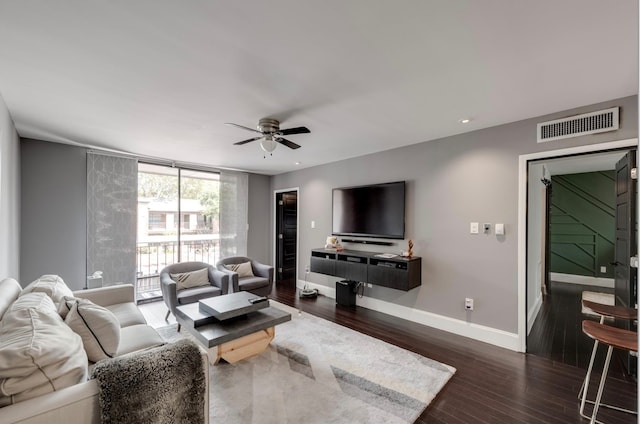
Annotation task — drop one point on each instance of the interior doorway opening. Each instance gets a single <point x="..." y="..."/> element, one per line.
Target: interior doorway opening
<point x="571" y="241"/>
<point x="286" y="236"/>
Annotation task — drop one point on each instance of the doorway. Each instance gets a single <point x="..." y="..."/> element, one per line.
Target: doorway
<point x="571" y="234"/>
<point x="286" y="236"/>
<point x="523" y="211"/>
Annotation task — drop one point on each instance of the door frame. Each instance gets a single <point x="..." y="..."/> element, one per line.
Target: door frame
<point x="546" y="243"/>
<point x="274" y="227"/>
<point x="523" y="209"/>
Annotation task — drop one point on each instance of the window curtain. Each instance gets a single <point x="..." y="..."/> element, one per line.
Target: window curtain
<point x="234" y="189"/>
<point x="112" y="199"/>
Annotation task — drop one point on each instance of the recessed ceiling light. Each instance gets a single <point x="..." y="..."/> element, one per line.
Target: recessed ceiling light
<point x="297" y="163"/>
<point x="464" y="120"/>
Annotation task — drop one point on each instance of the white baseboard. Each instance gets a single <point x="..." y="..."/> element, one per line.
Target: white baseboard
<point x="582" y="279"/>
<point x="533" y="314"/>
<point x="473" y="331"/>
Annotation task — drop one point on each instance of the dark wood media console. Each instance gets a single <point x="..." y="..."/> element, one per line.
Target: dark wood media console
<point x="397" y="273"/>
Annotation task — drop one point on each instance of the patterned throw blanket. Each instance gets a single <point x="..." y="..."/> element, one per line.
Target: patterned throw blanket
<point x="161" y="385"/>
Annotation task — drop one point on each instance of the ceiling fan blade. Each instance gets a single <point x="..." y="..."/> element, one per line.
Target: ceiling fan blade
<point x="296" y="130"/>
<point x="243" y="127"/>
<point x="289" y="144"/>
<point x="240" y="143"/>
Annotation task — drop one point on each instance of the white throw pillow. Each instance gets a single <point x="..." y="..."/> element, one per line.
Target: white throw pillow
<point x="52" y="285"/>
<point x="187" y="280"/>
<point x="36" y="300"/>
<point x="97" y="326"/>
<point x="243" y="269"/>
<point x="38" y="352"/>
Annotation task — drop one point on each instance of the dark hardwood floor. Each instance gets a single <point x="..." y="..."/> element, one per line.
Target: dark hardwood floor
<point x="491" y="385"/>
<point x="557" y="332"/>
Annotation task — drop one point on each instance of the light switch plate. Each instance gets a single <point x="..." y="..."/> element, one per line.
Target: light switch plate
<point x="499" y="229"/>
<point x="474" y="228"/>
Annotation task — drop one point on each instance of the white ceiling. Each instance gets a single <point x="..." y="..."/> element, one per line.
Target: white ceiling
<point x="159" y="78"/>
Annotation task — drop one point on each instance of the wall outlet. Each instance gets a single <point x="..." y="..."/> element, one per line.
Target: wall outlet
<point x="468" y="304"/>
<point x="473" y="228"/>
<point x="603" y="269"/>
<point x="486" y="228"/>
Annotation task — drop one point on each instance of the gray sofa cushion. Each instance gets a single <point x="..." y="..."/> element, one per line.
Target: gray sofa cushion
<point x="252" y="283"/>
<point x="193" y="295"/>
<point x="138" y="337"/>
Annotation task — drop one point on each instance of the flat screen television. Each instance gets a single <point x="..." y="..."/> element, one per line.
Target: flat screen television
<point x="369" y="211"/>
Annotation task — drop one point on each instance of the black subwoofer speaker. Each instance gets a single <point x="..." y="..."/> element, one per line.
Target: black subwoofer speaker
<point x="346" y="292"/>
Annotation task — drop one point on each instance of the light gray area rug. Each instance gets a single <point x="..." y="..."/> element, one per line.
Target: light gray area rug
<point x="316" y="371"/>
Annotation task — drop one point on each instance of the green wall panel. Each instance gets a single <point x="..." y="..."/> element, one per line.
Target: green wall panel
<point x="582" y="223"/>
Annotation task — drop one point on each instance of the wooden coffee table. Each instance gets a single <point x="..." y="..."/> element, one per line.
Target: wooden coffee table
<point x="230" y="327"/>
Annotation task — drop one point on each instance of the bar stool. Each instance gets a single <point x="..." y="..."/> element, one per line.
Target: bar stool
<point x="605" y="311"/>
<point x="612" y="337"/>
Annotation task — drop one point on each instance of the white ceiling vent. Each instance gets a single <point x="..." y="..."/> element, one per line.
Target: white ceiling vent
<point x="574" y="126"/>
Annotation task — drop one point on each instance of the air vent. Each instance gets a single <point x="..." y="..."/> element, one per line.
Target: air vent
<point x="574" y="126"/>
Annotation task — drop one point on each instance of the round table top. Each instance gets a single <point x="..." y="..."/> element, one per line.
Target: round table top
<point x="614" y="311"/>
<point x="612" y="336"/>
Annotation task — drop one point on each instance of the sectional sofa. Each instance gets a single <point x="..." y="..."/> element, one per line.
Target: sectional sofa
<point x="51" y="338"/>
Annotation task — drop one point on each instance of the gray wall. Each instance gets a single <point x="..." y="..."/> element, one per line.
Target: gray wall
<point x="259" y="234"/>
<point x="450" y="183"/>
<point x="54" y="212"/>
<point x="9" y="196"/>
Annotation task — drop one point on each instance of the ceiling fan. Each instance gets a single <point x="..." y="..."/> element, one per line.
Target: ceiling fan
<point x="271" y="134"/>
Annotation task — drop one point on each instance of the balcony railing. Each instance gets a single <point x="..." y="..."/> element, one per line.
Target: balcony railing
<point x="152" y="257"/>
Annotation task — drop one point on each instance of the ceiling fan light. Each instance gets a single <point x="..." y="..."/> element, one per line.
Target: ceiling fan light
<point x="268" y="144"/>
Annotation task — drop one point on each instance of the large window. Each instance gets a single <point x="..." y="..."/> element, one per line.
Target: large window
<point x="178" y="221"/>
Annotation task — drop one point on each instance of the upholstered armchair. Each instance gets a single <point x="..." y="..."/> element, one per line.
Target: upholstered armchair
<point x="188" y="282"/>
<point x="247" y="274"/>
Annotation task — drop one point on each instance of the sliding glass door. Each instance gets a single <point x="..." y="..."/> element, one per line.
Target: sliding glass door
<point x="178" y="221"/>
<point x="199" y="216"/>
